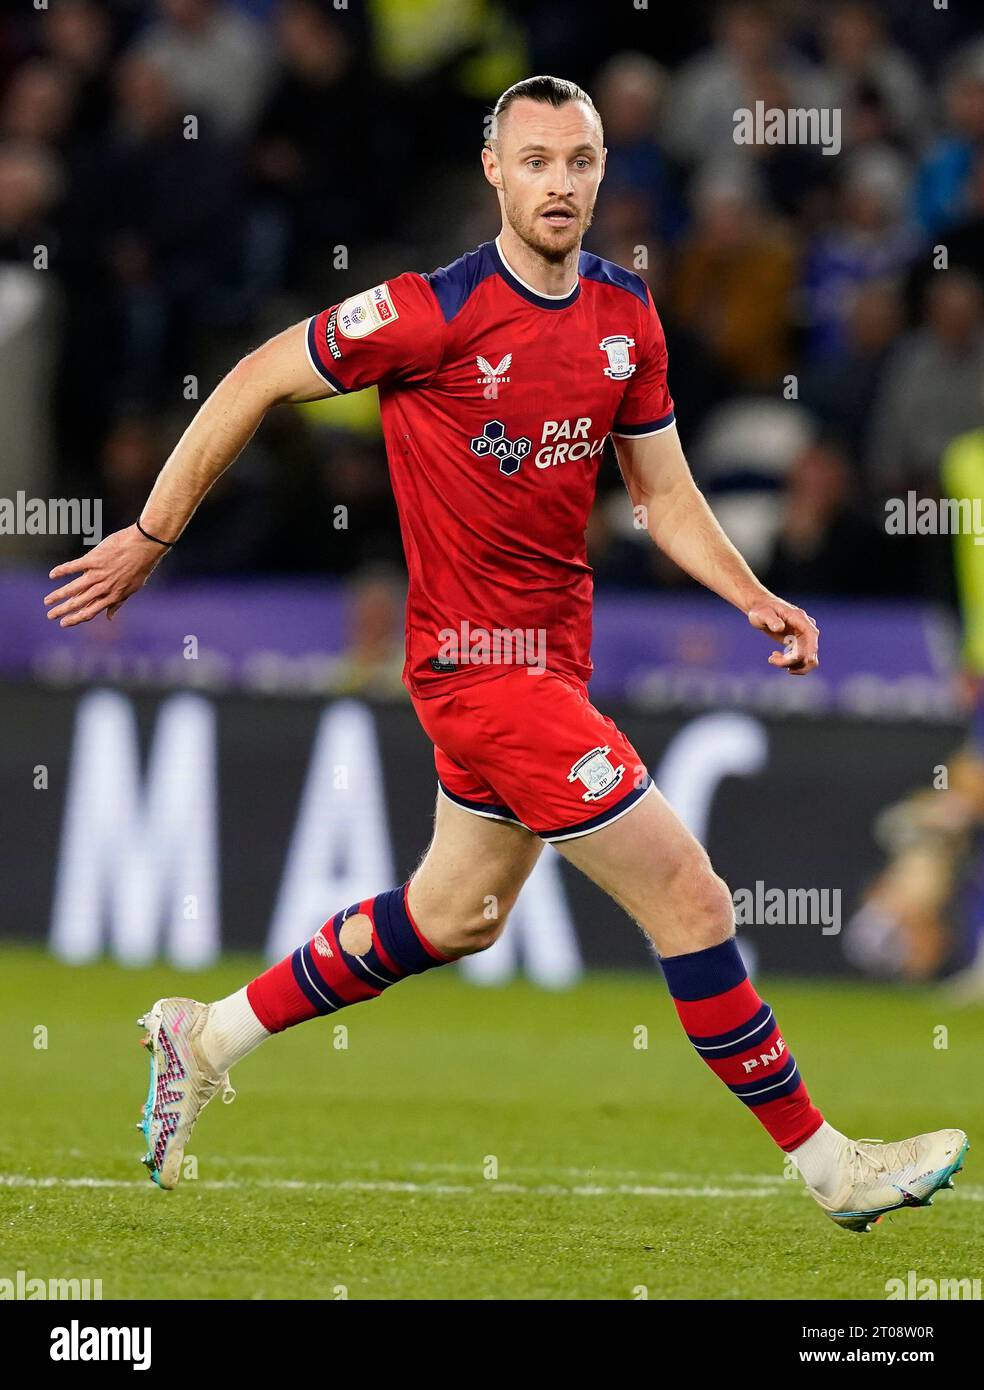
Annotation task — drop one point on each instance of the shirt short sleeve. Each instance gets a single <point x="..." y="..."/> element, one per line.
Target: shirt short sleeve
<point x="647" y="406"/>
<point x="393" y="332"/>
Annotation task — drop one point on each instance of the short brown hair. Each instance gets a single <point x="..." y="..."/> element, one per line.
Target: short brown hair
<point x="554" y="91"/>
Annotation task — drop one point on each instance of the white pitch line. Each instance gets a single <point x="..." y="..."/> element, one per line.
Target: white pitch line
<point x="18" y="1180"/>
<point x="637" y="1175"/>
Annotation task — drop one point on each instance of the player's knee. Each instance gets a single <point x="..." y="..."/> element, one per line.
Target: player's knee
<point x="465" y="928"/>
<point x="469" y="940"/>
<point x="706" y="904"/>
<point x="479" y="929"/>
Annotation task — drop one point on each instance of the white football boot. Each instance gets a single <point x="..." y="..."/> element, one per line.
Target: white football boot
<point x="879" y="1178"/>
<point x="181" y="1084"/>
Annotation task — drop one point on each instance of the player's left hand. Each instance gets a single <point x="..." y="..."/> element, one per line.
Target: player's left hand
<point x="793" y="630"/>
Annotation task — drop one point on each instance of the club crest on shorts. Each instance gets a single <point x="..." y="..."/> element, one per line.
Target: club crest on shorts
<point x="595" y="770"/>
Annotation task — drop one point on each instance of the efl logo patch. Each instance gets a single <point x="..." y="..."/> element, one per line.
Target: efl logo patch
<point x="616" y="346"/>
<point x="595" y="770"/>
<point x="364" y="313"/>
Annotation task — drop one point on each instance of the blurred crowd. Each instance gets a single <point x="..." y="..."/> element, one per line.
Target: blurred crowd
<point x="181" y="178"/>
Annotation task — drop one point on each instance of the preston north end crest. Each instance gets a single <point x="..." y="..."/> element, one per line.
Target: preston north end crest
<point x="616" y="346"/>
<point x="595" y="770"/>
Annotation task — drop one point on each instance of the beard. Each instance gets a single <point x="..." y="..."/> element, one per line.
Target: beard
<point x="554" y="245"/>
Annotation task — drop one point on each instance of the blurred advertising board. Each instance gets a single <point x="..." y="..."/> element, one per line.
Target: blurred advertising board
<point x="176" y="824"/>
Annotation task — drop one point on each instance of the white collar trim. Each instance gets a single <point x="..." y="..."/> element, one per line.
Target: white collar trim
<point x="526" y="285"/>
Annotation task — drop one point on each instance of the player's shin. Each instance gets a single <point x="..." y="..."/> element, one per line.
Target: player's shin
<point x="355" y="956"/>
<point x="739" y="1039"/>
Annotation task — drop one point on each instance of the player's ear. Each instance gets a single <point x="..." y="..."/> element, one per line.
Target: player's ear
<point x="490" y="163"/>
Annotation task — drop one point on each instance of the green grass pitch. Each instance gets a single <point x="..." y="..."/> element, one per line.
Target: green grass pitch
<point x="469" y="1144"/>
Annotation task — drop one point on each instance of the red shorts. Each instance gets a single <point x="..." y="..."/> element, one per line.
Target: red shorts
<point x="532" y="749"/>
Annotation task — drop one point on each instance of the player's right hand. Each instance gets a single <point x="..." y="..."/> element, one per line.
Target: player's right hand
<point x="792" y="629"/>
<point x="107" y="575"/>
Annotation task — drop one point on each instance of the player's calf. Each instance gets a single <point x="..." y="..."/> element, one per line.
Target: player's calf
<point x="456" y="904"/>
<point x="354" y="957"/>
<point x="650" y="863"/>
<point x="736" y="1034"/>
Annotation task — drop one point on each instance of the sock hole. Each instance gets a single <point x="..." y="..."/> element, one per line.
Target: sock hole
<point x="355" y="936"/>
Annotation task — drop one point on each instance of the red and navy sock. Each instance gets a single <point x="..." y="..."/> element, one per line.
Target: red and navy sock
<point x="321" y="977"/>
<point x="739" y="1039"/>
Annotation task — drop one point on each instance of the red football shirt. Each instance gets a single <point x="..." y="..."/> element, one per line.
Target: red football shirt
<point x="496" y="402"/>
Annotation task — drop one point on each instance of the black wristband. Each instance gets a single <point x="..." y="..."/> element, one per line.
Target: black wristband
<point x="167" y="544"/>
